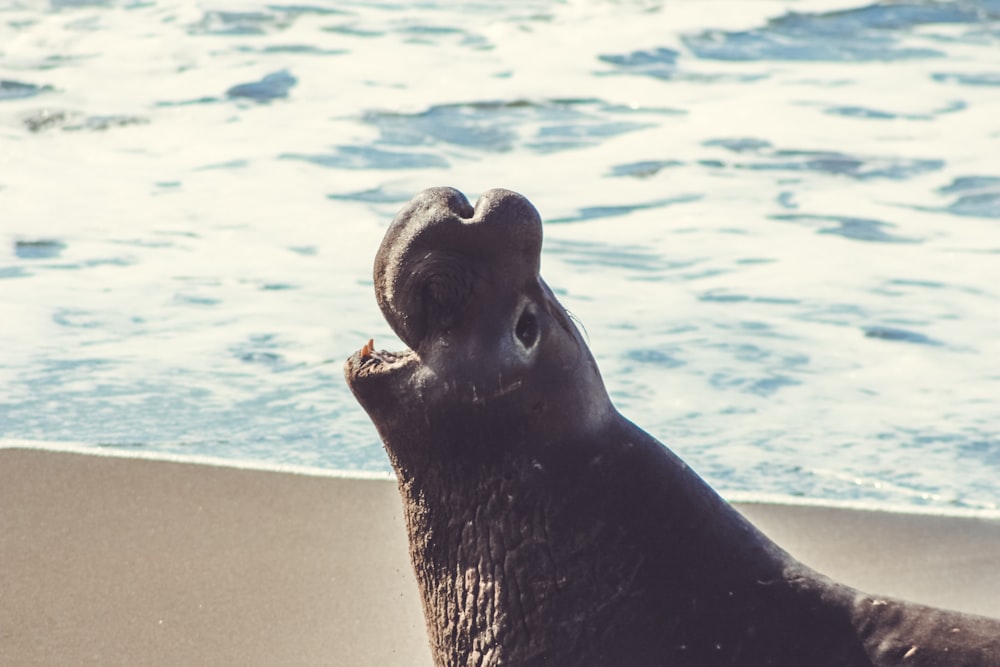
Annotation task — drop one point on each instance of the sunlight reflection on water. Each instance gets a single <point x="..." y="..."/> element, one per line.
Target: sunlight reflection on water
<point x="779" y="229"/>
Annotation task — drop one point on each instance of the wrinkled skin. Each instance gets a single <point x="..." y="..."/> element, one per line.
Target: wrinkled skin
<point x="545" y="528"/>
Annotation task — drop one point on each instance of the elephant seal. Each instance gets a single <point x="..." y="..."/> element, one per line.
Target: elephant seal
<point x="544" y="527"/>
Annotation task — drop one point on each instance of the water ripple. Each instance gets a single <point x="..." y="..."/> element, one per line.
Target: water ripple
<point x="18" y="90"/>
<point x="273" y="86"/>
<point x="365" y="157"/>
<point x="876" y="32"/>
<point x="38" y="249"/>
<point x="615" y="210"/>
<point x="824" y="161"/>
<point x="597" y="255"/>
<point x="643" y="169"/>
<point x="968" y="79"/>
<point x="72" y="121"/>
<point x="899" y="335"/>
<point x="500" y="126"/>
<point x="868" y="113"/>
<point x="856" y="229"/>
<point x="660" y="63"/>
<point x="978" y="196"/>
<point x="241" y="24"/>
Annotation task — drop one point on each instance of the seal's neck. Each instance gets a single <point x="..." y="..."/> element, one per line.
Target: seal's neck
<point x="569" y="543"/>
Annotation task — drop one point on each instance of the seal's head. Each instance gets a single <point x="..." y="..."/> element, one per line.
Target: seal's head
<point x="490" y="347"/>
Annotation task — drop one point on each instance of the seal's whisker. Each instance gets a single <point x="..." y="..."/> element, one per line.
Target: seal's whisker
<point x="579" y="324"/>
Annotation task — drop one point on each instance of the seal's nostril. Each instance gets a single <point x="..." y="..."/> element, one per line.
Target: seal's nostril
<point x="459" y="205"/>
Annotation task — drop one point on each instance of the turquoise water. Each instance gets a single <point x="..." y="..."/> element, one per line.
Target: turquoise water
<point x="779" y="222"/>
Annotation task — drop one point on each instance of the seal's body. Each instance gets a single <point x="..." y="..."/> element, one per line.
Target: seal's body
<point x="545" y="528"/>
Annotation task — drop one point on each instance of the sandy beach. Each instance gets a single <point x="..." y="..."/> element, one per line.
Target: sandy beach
<point x="112" y="560"/>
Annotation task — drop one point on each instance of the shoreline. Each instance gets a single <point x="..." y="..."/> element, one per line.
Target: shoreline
<point x="734" y="497"/>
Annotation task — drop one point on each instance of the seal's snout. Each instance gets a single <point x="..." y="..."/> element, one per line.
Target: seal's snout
<point x="439" y="248"/>
<point x="437" y="203"/>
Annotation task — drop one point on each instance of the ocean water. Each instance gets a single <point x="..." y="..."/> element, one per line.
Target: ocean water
<point x="778" y="221"/>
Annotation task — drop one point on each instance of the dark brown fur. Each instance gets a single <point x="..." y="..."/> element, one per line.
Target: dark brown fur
<point x="545" y="528"/>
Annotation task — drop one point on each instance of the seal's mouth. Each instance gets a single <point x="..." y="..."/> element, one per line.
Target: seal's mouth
<point x="380" y="379"/>
<point x="369" y="363"/>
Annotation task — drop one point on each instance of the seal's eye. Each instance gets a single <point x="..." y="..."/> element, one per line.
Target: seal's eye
<point x="527" y="329"/>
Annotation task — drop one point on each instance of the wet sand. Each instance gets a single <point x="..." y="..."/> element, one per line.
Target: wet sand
<point x="108" y="560"/>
